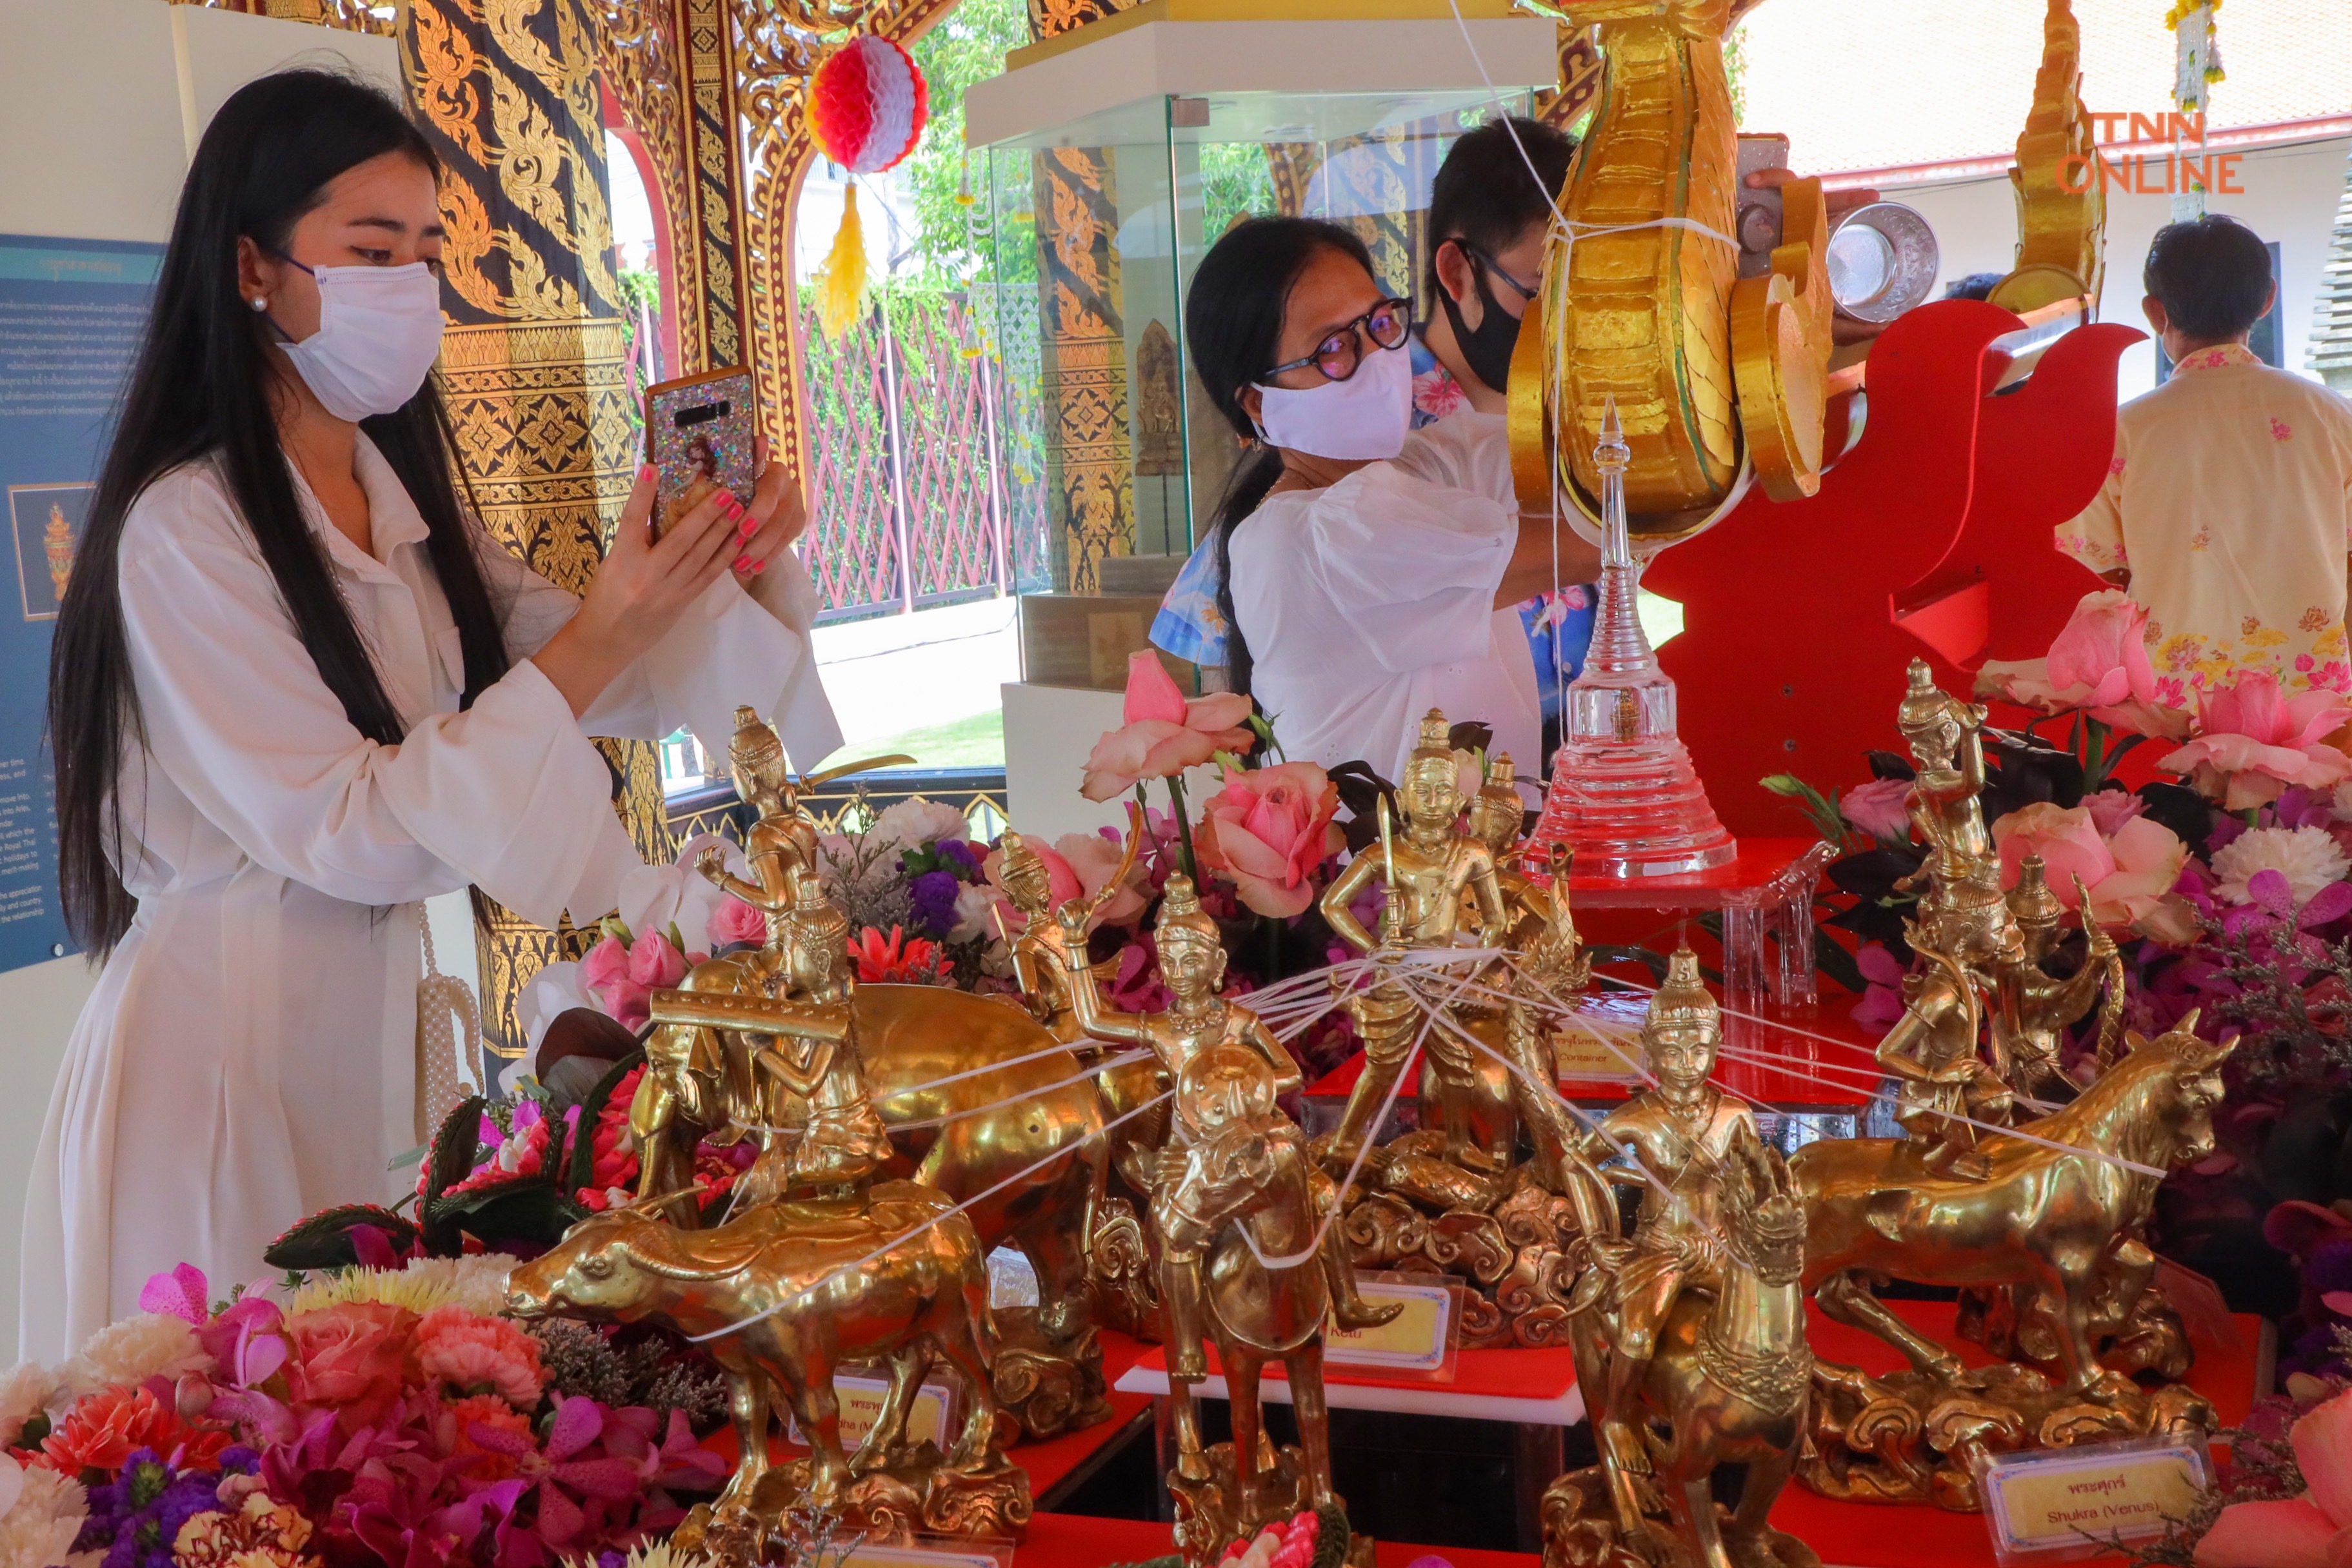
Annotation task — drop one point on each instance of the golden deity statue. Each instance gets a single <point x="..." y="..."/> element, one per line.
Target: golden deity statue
<point x="1427" y="873"/>
<point x="1042" y="945"/>
<point x="1496" y="818"/>
<point x="834" y="1077"/>
<point x="1192" y="967"/>
<point x="783" y="837"/>
<point x="1946" y="1086"/>
<point x="1238" y="1214"/>
<point x="1690" y="1337"/>
<point x="1946" y="811"/>
<point x="2035" y="1010"/>
<point x="821" y="1135"/>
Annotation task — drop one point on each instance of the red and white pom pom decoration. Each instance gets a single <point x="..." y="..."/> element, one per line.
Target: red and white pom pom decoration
<point x="866" y="104"/>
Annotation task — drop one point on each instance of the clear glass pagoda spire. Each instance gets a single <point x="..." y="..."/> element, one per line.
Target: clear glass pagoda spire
<point x="1623" y="795"/>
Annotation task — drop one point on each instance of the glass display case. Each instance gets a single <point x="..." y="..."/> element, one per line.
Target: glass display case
<point x="1108" y="161"/>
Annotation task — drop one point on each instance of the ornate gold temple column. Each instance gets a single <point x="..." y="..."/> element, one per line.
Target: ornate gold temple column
<point x="532" y="360"/>
<point x="1081" y="344"/>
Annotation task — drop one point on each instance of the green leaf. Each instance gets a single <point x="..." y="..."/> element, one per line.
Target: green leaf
<point x="1819" y="809"/>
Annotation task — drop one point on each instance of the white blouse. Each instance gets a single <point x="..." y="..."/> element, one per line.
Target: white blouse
<point x="1370" y="602"/>
<point x="247" y="1056"/>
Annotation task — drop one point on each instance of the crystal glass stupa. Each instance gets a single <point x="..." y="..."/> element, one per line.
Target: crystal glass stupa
<point x="1623" y="795"/>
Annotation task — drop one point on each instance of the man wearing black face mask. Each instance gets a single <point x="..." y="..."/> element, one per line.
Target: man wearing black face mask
<point x="1489" y="212"/>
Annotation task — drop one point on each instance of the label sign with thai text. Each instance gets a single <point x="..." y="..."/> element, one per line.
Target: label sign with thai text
<point x="860" y="1402"/>
<point x="2062" y="1500"/>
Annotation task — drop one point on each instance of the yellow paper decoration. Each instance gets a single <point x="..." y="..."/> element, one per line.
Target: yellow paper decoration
<point x="843" y="288"/>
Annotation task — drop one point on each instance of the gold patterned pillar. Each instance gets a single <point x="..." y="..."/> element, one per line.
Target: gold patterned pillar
<point x="1082" y="347"/>
<point x="532" y="360"/>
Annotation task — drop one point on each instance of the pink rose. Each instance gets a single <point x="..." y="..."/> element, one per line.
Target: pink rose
<point x="2100" y="663"/>
<point x="1164" y="734"/>
<point x="2253" y="741"/>
<point x="2066" y="839"/>
<point x="735" y="921"/>
<point x="348" y="1357"/>
<point x="1268" y="830"/>
<point x="655" y="963"/>
<point x="2111" y="808"/>
<point x="1092" y="858"/>
<point x="605" y="974"/>
<point x="473" y="1354"/>
<point x="1881" y="808"/>
<point x="2314" y="1531"/>
<point x="2129" y="875"/>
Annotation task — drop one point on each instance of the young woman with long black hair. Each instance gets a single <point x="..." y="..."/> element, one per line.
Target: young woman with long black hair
<point x="1357" y="594"/>
<point x="296" y="689"/>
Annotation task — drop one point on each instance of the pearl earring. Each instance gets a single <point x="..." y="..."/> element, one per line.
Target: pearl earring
<point x="260" y="304"/>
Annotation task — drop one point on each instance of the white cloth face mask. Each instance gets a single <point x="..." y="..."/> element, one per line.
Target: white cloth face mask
<point x="1364" y="417"/>
<point x="379" y="333"/>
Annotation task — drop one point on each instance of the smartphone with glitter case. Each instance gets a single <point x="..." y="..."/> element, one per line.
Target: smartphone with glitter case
<point x="699" y="435"/>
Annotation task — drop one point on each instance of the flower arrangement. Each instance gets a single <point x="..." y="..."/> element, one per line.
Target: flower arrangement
<point x="378" y="1417"/>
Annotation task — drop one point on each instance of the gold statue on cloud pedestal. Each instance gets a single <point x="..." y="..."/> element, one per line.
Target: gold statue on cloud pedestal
<point x="844" y="1084"/>
<point x="1238" y="1213"/>
<point x="1427" y="873"/>
<point x="2041" y="1227"/>
<point x="1690" y="1335"/>
<point x="1453" y="1196"/>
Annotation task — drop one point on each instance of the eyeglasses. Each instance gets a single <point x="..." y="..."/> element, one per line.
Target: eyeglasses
<point x="1491" y="265"/>
<point x="1385" y="326"/>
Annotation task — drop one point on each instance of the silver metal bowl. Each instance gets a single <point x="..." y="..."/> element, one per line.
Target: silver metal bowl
<point x="1882" y="261"/>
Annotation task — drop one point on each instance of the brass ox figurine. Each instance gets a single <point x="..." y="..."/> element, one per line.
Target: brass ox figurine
<point x="805" y="1287"/>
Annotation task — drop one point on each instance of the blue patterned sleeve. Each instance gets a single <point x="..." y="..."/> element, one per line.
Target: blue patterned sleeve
<point x="1189" y="624"/>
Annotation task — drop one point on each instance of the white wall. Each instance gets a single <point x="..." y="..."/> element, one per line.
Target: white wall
<point x="100" y="103"/>
<point x="2290" y="196"/>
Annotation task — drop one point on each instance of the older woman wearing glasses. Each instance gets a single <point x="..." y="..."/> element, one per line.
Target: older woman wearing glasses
<point x="1356" y="592"/>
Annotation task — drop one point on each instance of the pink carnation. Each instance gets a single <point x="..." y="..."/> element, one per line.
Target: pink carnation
<point x="470" y="1354"/>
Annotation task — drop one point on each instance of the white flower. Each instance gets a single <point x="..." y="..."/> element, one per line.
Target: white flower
<point x="38" y="1529"/>
<point x="655" y="897"/>
<point x="148" y="1344"/>
<point x="27" y="1390"/>
<point x="912" y="823"/>
<point x="976" y="908"/>
<point x="553" y="991"/>
<point x="2309" y="858"/>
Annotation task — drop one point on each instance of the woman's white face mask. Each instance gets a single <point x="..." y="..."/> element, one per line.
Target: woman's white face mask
<point x="379" y="333"/>
<point x="1364" y="417"/>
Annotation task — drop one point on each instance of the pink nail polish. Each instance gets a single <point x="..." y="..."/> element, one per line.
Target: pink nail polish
<point x="758" y="567"/>
<point x="743" y="564"/>
<point x="648" y="472"/>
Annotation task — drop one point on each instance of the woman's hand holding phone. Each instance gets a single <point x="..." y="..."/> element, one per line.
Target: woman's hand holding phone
<point x="644" y="585"/>
<point x="777" y="516"/>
